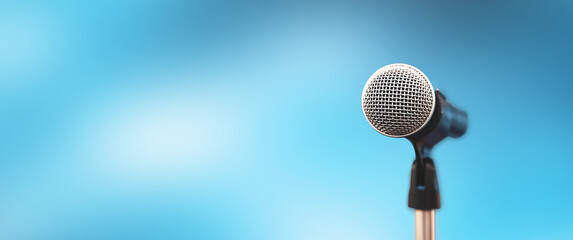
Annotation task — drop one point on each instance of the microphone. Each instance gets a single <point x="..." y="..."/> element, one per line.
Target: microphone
<point x="399" y="101"/>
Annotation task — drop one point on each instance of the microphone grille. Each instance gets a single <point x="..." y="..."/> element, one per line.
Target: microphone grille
<point x="398" y="100"/>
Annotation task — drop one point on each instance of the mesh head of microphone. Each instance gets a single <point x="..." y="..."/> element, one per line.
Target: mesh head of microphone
<point x="398" y="100"/>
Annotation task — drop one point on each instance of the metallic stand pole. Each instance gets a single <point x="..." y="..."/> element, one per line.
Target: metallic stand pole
<point x="425" y="225"/>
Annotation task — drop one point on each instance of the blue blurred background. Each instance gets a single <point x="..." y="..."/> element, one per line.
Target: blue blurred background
<point x="237" y="120"/>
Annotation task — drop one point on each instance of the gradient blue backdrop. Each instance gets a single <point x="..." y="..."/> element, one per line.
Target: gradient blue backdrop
<point x="242" y="120"/>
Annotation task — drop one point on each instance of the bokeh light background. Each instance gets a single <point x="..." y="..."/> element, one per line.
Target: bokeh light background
<point x="238" y="120"/>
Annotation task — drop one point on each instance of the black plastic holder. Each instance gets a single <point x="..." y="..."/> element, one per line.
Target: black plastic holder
<point x="424" y="192"/>
<point x="445" y="121"/>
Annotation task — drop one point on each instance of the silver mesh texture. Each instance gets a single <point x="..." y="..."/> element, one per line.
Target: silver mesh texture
<point x="398" y="100"/>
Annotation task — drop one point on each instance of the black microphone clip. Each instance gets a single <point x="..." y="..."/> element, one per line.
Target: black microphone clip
<point x="446" y="121"/>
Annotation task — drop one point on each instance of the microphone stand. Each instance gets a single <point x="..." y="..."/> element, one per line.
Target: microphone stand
<point x="424" y="194"/>
<point x="424" y="197"/>
<point x="425" y="225"/>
